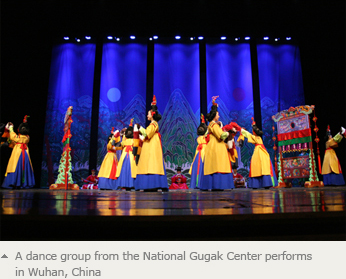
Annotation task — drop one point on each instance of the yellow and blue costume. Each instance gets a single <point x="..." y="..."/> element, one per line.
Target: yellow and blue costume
<point x="331" y="169"/>
<point x="261" y="173"/>
<point x="108" y="169"/>
<point x="19" y="172"/>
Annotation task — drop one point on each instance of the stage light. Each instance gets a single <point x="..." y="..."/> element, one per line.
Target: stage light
<point x="276" y="39"/>
<point x="266" y="38"/>
<point x="155" y="37"/>
<point x="109" y="37"/>
<point x="247" y="38"/>
<point x="223" y="38"/>
<point x="288" y="38"/>
<point x="118" y="39"/>
<point x="150" y="39"/>
<point x="177" y="37"/>
<point x="191" y="38"/>
<point x="78" y="40"/>
<point x="66" y="38"/>
<point x="87" y="37"/>
<point x="132" y="37"/>
<point x="200" y="38"/>
<point x="236" y="39"/>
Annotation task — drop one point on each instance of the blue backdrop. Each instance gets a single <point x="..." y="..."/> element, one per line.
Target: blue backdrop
<point x="229" y="76"/>
<point x="280" y="83"/>
<point x="177" y="89"/>
<point x="122" y="90"/>
<point x="70" y="84"/>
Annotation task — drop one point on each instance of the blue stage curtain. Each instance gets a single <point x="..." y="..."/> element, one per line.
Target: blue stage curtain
<point x="177" y="90"/>
<point x="229" y="76"/>
<point x="70" y="84"/>
<point x="280" y="83"/>
<point x="122" y="90"/>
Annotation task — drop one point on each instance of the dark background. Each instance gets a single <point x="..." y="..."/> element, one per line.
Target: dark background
<point x="29" y="29"/>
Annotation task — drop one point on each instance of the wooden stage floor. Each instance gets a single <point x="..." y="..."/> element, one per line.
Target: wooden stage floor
<point x="240" y="214"/>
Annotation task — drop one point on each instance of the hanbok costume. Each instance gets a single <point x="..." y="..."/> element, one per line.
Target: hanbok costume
<point x="151" y="172"/>
<point x="108" y="170"/>
<point x="197" y="166"/>
<point x="217" y="165"/>
<point x="92" y="181"/>
<point x="178" y="181"/>
<point x="19" y="172"/>
<point x="331" y="169"/>
<point x="261" y="173"/>
<point x="127" y="169"/>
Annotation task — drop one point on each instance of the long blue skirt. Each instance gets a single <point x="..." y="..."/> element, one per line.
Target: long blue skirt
<point x="151" y="181"/>
<point x="125" y="179"/>
<point x="262" y="181"/>
<point x="333" y="179"/>
<point x="217" y="181"/>
<point x="194" y="183"/>
<point x="107" y="183"/>
<point x="15" y="178"/>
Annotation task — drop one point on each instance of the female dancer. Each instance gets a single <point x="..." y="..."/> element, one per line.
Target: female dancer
<point x="108" y="170"/>
<point x="217" y="166"/>
<point x="331" y="169"/>
<point x="197" y="167"/>
<point x="127" y="169"/>
<point x="262" y="174"/>
<point x="19" y="172"/>
<point x="151" y="173"/>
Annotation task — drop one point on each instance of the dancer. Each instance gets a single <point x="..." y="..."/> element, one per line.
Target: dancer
<point x="197" y="166"/>
<point x="217" y="166"/>
<point x="331" y="169"/>
<point x="178" y="181"/>
<point x="19" y="172"/>
<point x="108" y="170"/>
<point x="262" y="174"/>
<point x="127" y="169"/>
<point x="151" y="173"/>
<point x="92" y="181"/>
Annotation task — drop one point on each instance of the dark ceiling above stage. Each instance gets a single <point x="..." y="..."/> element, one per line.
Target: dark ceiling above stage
<point x="144" y="18"/>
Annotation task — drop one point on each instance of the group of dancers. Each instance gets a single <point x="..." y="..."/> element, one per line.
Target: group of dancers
<point x="141" y="165"/>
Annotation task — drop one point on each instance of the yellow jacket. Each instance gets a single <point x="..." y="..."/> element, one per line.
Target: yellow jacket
<point x="17" y="151"/>
<point x="331" y="162"/>
<point x="151" y="159"/>
<point x="109" y="160"/>
<point x="127" y="145"/>
<point x="216" y="154"/>
<point x="260" y="160"/>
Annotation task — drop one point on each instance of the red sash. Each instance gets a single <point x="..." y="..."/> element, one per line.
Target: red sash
<point x="23" y="147"/>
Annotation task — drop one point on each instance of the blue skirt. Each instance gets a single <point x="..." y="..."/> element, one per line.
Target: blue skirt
<point x="125" y="179"/>
<point x="333" y="179"/>
<point x="217" y="181"/>
<point x="262" y="181"/>
<point x="151" y="181"/>
<point x="107" y="183"/>
<point x="15" y="178"/>
<point x="194" y="183"/>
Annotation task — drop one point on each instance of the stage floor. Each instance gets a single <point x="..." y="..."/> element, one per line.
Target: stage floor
<point x="245" y="214"/>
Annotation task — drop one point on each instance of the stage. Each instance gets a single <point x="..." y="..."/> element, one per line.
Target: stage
<point x="240" y="214"/>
